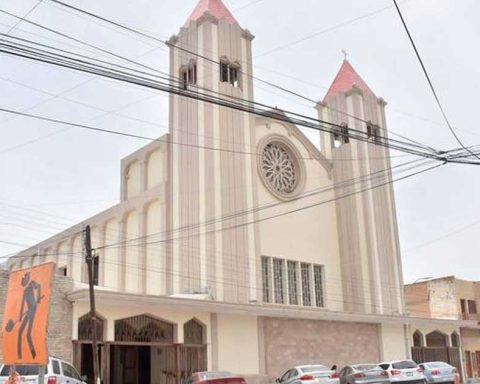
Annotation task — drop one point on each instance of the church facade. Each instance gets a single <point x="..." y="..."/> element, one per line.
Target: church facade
<point x="238" y="244"/>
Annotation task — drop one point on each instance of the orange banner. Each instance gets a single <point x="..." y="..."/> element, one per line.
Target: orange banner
<point x="25" y="319"/>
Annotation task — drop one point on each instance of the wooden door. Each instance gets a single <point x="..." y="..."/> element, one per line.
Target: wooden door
<point x="130" y="365"/>
<point x="478" y="362"/>
<point x="468" y="358"/>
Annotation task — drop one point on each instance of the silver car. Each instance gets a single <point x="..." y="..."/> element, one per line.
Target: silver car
<point x="309" y="374"/>
<point x="57" y="372"/>
<point x="404" y="372"/>
<point x="363" y="374"/>
<point x="438" y="372"/>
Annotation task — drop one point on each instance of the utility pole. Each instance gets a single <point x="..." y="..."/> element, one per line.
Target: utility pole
<point x="87" y="241"/>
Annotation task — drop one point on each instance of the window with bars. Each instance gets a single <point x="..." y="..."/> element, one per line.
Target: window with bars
<point x="278" y="280"/>
<point x="292" y="282"/>
<point x="266" y="279"/>
<point x="318" y="285"/>
<point x="292" y="267"/>
<point x="472" y="307"/>
<point x="306" y="284"/>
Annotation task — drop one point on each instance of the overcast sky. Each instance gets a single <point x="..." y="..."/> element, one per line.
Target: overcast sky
<point x="53" y="176"/>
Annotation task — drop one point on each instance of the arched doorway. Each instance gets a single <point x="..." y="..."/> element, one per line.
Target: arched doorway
<point x="418" y="339"/>
<point x="437" y="339"/>
<point x="83" y="347"/>
<point x="437" y="348"/>
<point x="144" y="351"/>
<point x="193" y="352"/>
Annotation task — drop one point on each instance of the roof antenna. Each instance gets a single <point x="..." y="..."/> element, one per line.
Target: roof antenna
<point x="345" y="54"/>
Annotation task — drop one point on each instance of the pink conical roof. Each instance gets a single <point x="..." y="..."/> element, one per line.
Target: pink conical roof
<point x="346" y="78"/>
<point x="215" y="7"/>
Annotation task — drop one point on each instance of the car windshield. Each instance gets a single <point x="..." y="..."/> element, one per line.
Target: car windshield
<point x="438" y="364"/>
<point x="214" y="375"/>
<point x="314" y="368"/>
<point x="384" y="366"/>
<point x="367" y="367"/>
<point x="404" y="365"/>
<point x="22" y="370"/>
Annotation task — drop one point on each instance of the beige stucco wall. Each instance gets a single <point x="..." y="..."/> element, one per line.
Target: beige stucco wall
<point x="132" y="177"/>
<point x="309" y="235"/>
<point x="443" y="299"/>
<point x="471" y="339"/>
<point x="393" y="342"/>
<point x="155" y="168"/>
<point x="238" y="344"/>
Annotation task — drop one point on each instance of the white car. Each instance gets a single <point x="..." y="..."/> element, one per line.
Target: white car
<point x="57" y="372"/>
<point x="309" y="374"/>
<point x="404" y="371"/>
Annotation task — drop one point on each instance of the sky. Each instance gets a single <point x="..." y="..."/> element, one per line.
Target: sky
<point x="53" y="176"/>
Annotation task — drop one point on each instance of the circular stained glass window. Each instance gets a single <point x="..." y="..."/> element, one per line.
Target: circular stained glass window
<point x="279" y="168"/>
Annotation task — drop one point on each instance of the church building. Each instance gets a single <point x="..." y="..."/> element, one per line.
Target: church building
<point x="238" y="244"/>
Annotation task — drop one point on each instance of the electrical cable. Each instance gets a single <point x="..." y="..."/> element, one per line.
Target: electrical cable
<point x="430" y="83"/>
<point x="147" y="35"/>
<point x="148" y="82"/>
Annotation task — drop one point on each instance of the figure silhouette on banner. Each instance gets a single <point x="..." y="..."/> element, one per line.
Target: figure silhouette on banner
<point x="27" y="315"/>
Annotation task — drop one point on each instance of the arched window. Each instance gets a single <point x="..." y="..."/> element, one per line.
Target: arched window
<point x="85" y="328"/>
<point x="230" y="72"/>
<point x="188" y="74"/>
<point x="437" y="339"/>
<point x="418" y="339"/>
<point x="455" y="340"/>
<point x="193" y="332"/>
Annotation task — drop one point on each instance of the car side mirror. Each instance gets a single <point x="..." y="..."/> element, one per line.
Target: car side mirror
<point x="277" y="380"/>
<point x="84" y="378"/>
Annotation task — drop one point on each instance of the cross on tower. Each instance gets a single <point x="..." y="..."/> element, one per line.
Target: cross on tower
<point x="345" y="54"/>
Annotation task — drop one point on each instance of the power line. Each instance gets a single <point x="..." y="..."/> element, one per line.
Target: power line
<point x="150" y="36"/>
<point x="430" y="83"/>
<point x="308" y="122"/>
<point x="82" y="65"/>
<point x="132" y="269"/>
<point x="22" y="19"/>
<point x="299" y="209"/>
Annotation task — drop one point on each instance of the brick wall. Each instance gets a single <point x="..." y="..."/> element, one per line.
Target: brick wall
<point x="59" y="333"/>
<point x="291" y="342"/>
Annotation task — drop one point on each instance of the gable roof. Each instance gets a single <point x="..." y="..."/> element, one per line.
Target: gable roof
<point x="216" y="8"/>
<point x="297" y="133"/>
<point x="346" y="78"/>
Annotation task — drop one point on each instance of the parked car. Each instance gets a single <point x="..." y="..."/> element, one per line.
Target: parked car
<point x="57" y="372"/>
<point x="438" y="372"/>
<point x="309" y="374"/>
<point x="214" y="377"/>
<point x="403" y="371"/>
<point x="363" y="374"/>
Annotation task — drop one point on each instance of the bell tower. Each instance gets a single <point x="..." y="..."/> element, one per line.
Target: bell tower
<point x="372" y="276"/>
<point x="211" y="170"/>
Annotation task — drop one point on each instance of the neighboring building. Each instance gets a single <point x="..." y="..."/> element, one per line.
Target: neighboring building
<point x="447" y="298"/>
<point x="231" y="249"/>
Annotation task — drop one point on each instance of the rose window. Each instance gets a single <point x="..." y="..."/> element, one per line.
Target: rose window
<point x="278" y="168"/>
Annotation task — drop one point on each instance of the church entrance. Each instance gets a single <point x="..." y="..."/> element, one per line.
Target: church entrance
<point x="143" y="352"/>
